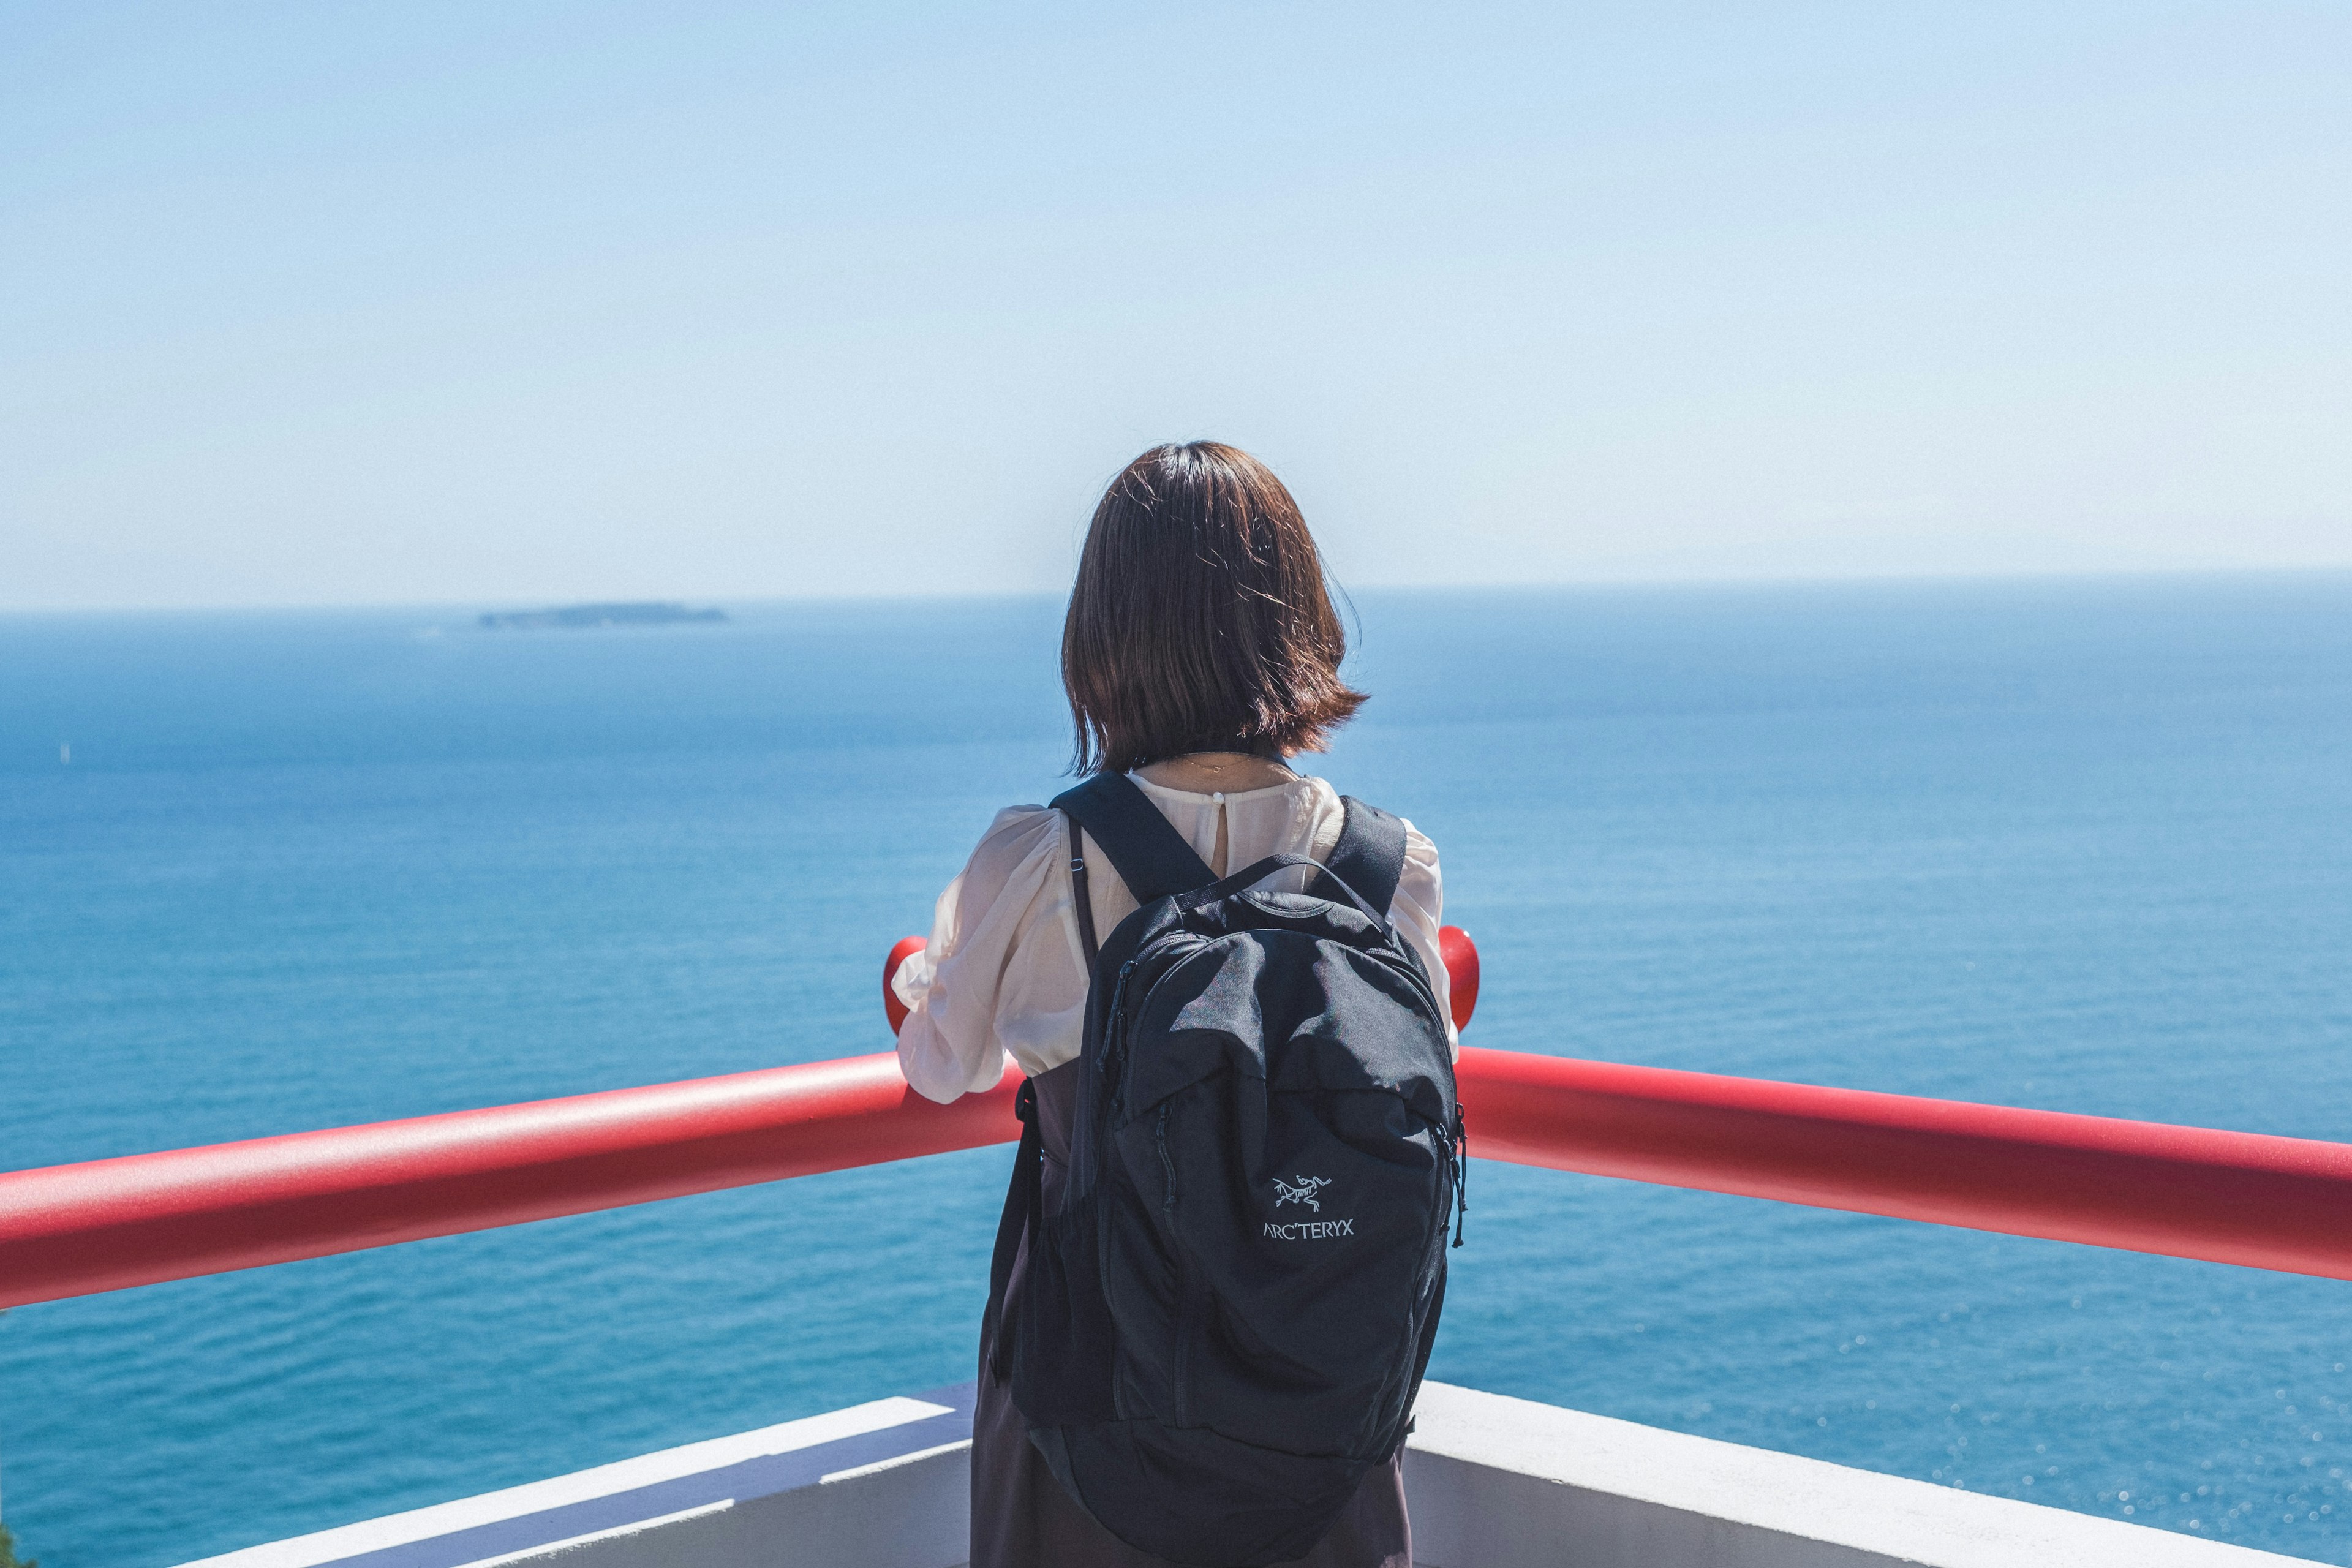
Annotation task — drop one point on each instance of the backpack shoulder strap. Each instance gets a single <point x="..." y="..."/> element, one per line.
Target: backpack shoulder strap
<point x="1151" y="856"/>
<point x="1369" y="855"/>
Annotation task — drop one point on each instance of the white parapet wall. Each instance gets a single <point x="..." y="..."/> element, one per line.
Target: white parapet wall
<point x="874" y="1486"/>
<point x="1493" y="1483"/>
<point x="1507" y="1483"/>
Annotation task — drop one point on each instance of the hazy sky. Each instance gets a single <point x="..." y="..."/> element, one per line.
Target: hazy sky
<point x="309" y="304"/>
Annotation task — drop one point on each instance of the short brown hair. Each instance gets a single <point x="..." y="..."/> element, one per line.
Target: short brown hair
<point x="1200" y="621"/>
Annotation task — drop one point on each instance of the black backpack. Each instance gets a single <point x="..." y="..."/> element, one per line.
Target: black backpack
<point x="1224" y="1326"/>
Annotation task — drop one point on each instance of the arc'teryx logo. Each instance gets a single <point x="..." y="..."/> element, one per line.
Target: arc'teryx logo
<point x="1304" y="1192"/>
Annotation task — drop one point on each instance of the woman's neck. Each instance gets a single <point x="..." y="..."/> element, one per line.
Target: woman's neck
<point x="1208" y="773"/>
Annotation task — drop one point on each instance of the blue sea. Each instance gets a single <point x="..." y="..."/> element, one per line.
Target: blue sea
<point x="2077" y="844"/>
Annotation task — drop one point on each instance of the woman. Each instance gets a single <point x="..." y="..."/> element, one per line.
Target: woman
<point x="1200" y="652"/>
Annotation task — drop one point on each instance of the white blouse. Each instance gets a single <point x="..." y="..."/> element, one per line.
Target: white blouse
<point x="1005" y="969"/>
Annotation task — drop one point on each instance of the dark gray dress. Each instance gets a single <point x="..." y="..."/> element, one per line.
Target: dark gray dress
<point x="1021" y="1517"/>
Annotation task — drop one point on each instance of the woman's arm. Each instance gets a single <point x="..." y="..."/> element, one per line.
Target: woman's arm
<point x="982" y="984"/>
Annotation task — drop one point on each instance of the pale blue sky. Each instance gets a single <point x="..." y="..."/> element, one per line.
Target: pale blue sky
<point x="318" y="304"/>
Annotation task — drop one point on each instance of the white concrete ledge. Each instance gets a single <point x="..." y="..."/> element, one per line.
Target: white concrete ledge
<point x="874" y="1486"/>
<point x="1507" y="1483"/>
<point x="1493" y="1483"/>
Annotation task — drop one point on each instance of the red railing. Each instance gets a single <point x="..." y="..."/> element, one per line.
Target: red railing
<point x="2231" y="1197"/>
<point x="2248" y="1198"/>
<point x="107" y="1224"/>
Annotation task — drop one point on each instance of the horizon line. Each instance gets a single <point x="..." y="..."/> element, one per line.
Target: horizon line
<point x="855" y="596"/>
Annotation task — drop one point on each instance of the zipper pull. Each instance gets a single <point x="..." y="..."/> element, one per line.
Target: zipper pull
<point x="1168" y="1201"/>
<point x="1460" y="1173"/>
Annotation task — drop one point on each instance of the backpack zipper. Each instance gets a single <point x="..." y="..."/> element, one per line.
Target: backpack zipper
<point x="1114" y="1068"/>
<point x="1192" y="1289"/>
<point x="1167" y="1199"/>
<point x="1115" y="1057"/>
<point x="1418" y="979"/>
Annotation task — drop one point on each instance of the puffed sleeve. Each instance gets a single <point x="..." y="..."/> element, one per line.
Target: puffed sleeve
<point x="1417" y="911"/>
<point x="995" y="952"/>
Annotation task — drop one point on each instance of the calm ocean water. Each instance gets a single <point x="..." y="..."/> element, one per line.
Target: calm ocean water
<point x="2079" y="845"/>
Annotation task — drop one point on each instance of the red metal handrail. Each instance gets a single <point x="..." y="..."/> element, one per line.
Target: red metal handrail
<point x="76" y="1230"/>
<point x="2190" y="1192"/>
<point x="2248" y="1198"/>
<point x="2231" y="1197"/>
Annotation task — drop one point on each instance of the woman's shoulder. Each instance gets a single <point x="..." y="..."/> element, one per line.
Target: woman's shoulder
<point x="1020" y="821"/>
<point x="1019" y="833"/>
<point x="1009" y="867"/>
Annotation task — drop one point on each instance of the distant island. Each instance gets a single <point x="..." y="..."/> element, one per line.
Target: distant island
<point x="646" y="614"/>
